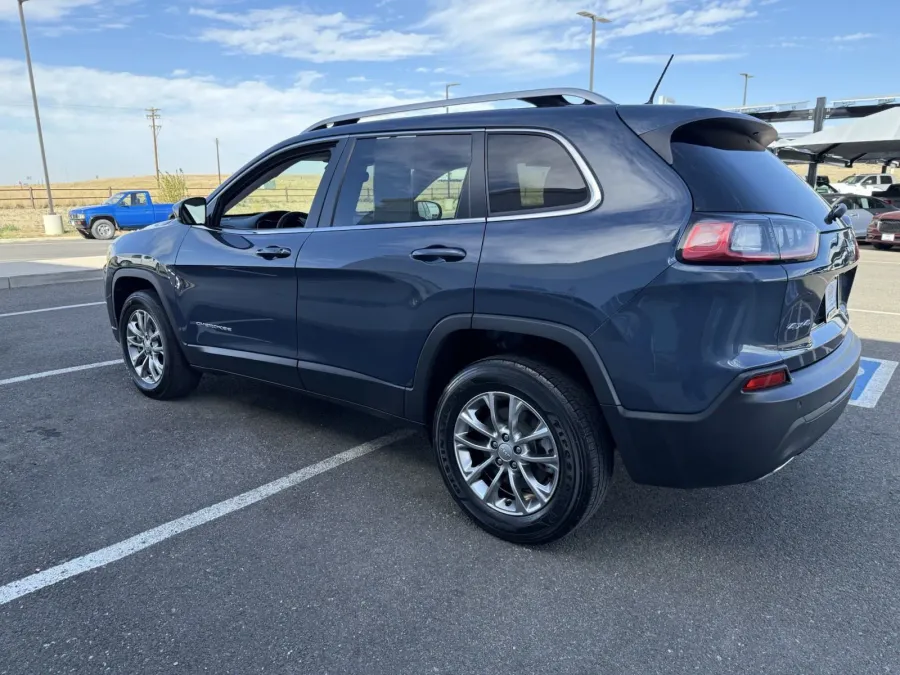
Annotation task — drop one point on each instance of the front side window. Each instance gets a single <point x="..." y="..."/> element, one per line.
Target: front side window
<point x="288" y="186"/>
<point x="405" y="179"/>
<point x="869" y="181"/>
<point x="529" y="172"/>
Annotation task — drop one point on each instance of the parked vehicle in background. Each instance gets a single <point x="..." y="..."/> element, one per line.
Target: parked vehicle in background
<point x="128" y="210"/>
<point x="884" y="230"/>
<point x="860" y="211"/>
<point x="890" y="196"/>
<point x="864" y="183"/>
<point x="497" y="278"/>
<point x="825" y="189"/>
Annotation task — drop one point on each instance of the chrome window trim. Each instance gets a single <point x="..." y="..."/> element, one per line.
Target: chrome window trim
<point x="586" y="174"/>
<point x="415" y="223"/>
<point x="583" y="167"/>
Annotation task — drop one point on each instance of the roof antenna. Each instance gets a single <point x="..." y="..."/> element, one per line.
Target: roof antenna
<point x="659" y="81"/>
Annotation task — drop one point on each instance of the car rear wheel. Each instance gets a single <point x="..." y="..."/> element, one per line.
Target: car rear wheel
<point x="103" y="229"/>
<point x="152" y="354"/>
<point x="522" y="448"/>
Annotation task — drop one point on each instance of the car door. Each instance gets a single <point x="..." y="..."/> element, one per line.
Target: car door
<point x="128" y="212"/>
<point x="862" y="216"/>
<point x="400" y="255"/>
<point x="236" y="274"/>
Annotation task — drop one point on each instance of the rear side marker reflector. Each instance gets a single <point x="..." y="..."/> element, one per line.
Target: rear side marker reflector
<point x="776" y="378"/>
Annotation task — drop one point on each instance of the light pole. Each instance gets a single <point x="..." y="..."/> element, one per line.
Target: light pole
<point x="218" y="163"/>
<point x="746" y="77"/>
<point x="594" y="21"/>
<point x="447" y="93"/>
<point x="53" y="224"/>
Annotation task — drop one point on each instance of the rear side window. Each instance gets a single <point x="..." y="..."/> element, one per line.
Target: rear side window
<point x="726" y="170"/>
<point x="532" y="173"/>
<point x="404" y="179"/>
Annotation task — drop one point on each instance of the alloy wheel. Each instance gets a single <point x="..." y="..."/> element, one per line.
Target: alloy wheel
<point x="145" y="347"/>
<point x="506" y="453"/>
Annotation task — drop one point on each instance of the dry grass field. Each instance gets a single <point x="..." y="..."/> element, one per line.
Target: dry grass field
<point x="21" y="209"/>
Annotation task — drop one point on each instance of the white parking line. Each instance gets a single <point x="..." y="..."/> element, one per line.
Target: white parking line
<point x="139" y="542"/>
<point x="61" y="371"/>
<point x="873" y="311"/>
<point x="51" y="309"/>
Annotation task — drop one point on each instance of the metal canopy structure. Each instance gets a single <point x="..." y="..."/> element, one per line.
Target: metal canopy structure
<point x="875" y="138"/>
<point x="801" y="111"/>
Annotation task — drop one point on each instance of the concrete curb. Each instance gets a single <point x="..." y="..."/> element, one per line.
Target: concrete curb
<point x="25" y="280"/>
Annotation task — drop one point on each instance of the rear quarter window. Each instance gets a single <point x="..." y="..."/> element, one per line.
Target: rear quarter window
<point x="726" y="170"/>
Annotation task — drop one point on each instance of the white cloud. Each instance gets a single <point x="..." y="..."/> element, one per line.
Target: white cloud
<point x="679" y="58"/>
<point x="536" y="39"/>
<point x="44" y="10"/>
<point x="319" y="38"/>
<point x="853" y="37"/>
<point x="246" y="116"/>
<point x="180" y="72"/>
<point x="358" y="78"/>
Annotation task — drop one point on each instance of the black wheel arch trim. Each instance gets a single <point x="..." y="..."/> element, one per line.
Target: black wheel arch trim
<point x="154" y="280"/>
<point x="575" y="341"/>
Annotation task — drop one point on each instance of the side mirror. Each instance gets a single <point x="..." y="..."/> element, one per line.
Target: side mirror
<point x="429" y="210"/>
<point x="837" y="212"/>
<point x="191" y="211"/>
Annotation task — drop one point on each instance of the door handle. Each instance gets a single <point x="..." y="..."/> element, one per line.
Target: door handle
<point x="433" y="254"/>
<point x="272" y="252"/>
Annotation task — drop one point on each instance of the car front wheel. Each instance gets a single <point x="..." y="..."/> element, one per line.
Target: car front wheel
<point x="103" y="229"/>
<point x="522" y="448"/>
<point x="152" y="354"/>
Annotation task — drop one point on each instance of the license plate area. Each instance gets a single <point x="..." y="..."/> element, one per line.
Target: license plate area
<point x="887" y="237"/>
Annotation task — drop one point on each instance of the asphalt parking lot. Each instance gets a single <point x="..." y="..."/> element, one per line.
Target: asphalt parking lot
<point x="367" y="566"/>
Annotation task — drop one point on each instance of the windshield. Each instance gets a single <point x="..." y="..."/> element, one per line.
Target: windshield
<point x="852" y="180"/>
<point x="116" y="198"/>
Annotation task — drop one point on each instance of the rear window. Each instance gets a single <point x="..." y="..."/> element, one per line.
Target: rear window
<point x="726" y="170"/>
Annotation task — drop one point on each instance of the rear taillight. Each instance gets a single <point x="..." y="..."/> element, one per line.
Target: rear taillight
<point x="749" y="240"/>
<point x="775" y="378"/>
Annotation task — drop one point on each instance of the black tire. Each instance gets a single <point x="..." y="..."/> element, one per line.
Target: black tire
<point x="573" y="416"/>
<point x="103" y="229"/>
<point x="178" y="378"/>
<point x="883" y="247"/>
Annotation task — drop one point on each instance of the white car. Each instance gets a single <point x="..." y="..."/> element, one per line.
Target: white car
<point x="864" y="183"/>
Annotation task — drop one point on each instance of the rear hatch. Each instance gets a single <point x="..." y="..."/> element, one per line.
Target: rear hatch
<point x="722" y="158"/>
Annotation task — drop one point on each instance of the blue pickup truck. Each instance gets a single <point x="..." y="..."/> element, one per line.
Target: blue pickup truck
<point x="129" y="210"/>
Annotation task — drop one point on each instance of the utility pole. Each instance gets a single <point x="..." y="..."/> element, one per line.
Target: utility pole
<point x="153" y="115"/>
<point x="37" y="114"/>
<point x="746" y="77"/>
<point x="218" y="163"/>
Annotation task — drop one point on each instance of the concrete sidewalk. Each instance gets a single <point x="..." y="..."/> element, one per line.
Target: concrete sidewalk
<point x="50" y="262"/>
<point x="19" y="274"/>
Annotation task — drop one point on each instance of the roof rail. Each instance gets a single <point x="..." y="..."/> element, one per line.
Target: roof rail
<point x="540" y="98"/>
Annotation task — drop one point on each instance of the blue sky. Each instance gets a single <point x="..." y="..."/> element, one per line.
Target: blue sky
<point x="252" y="72"/>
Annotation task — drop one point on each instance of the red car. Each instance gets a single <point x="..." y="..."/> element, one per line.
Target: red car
<point x="884" y="230"/>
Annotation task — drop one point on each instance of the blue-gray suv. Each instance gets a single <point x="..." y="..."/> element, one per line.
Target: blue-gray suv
<point x="537" y="287"/>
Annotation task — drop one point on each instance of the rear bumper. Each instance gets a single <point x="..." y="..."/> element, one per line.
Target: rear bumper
<point x="741" y="437"/>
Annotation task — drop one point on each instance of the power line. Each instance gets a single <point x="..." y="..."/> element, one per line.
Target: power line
<point x="153" y="115"/>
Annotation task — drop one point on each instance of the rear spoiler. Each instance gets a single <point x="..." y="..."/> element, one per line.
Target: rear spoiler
<point x="656" y="124"/>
